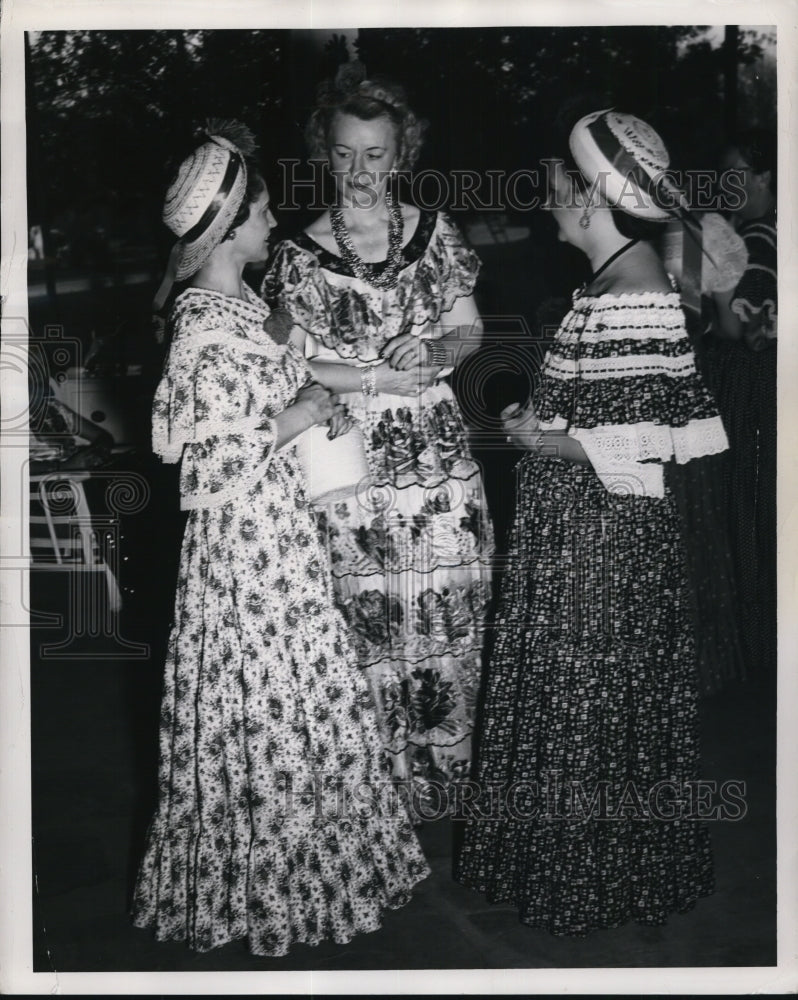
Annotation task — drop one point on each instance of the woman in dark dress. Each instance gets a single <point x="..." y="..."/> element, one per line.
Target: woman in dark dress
<point x="741" y="369"/>
<point x="589" y="736"/>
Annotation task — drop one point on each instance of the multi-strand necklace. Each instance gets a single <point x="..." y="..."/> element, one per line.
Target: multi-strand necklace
<point x="387" y="276"/>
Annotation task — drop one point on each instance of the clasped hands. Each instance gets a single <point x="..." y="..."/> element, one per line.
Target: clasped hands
<point x="324" y="407"/>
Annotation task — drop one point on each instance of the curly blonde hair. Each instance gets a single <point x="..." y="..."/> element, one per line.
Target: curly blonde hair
<point x="351" y="94"/>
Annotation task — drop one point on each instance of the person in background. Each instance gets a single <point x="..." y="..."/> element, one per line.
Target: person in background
<point x="741" y="369"/>
<point x="707" y="258"/>
<point x="271" y="824"/>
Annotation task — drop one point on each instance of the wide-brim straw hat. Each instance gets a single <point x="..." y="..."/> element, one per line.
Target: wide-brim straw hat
<point x="203" y="200"/>
<point x="628" y="162"/>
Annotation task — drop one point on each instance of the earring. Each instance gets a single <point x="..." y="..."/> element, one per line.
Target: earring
<point x="584" y="219"/>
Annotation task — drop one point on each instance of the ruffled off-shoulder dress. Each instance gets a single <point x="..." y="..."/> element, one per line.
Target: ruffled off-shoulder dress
<point x="273" y="824"/>
<point x="586" y="814"/>
<point x="411" y="558"/>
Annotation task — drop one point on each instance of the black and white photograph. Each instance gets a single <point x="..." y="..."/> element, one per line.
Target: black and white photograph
<point x="395" y="569"/>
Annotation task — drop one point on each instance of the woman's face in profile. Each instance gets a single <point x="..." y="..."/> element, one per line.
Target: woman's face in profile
<point x="362" y="154"/>
<point x="564" y="204"/>
<point x="252" y="236"/>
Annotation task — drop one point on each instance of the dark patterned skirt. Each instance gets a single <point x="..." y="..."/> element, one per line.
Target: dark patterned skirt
<point x="744" y="384"/>
<point x="584" y="814"/>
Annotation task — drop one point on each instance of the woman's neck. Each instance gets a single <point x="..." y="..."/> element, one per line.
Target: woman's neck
<point x="365" y="217"/>
<point x="225" y="276"/>
<point x="636" y="267"/>
<point x="602" y="249"/>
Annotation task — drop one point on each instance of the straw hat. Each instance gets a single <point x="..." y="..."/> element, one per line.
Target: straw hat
<point x="202" y="201"/>
<point x="629" y="161"/>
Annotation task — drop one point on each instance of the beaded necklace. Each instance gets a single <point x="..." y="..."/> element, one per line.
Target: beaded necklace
<point x="362" y="269"/>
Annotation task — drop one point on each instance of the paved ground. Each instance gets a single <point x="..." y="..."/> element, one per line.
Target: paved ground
<point x="93" y="779"/>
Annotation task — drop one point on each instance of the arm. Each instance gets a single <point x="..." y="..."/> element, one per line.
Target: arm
<point x="91" y="455"/>
<point x="523" y="430"/>
<point x="464" y="331"/>
<point x="340" y="378"/>
<point x="462" y="337"/>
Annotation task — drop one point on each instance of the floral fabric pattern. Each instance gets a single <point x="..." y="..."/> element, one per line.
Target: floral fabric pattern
<point x="272" y="824"/>
<point x="591" y="705"/>
<point x="411" y="556"/>
<point x="353" y="318"/>
<point x="591" y="700"/>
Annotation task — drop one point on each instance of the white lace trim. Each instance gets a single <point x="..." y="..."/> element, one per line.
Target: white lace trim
<point x="627" y="457"/>
<point x="567" y="369"/>
<point x="209" y="501"/>
<point x="635" y="300"/>
<point x="169" y="443"/>
<point x="671" y="330"/>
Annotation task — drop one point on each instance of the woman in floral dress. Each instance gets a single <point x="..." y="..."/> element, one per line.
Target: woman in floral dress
<point x="384" y="293"/>
<point x="586" y="813"/>
<point x="272" y="825"/>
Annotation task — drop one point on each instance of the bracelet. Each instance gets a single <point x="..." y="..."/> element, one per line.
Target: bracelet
<point x="437" y="355"/>
<point x="368" y="381"/>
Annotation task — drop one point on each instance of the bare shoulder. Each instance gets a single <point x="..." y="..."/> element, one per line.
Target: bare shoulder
<point x="320" y="231"/>
<point x="410" y="214"/>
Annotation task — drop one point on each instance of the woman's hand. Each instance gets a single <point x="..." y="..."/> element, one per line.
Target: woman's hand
<point x="317" y="402"/>
<point x="404" y="383"/>
<point x="324" y="407"/>
<point x="523" y="430"/>
<point x="340" y="422"/>
<point x="404" y="352"/>
<point x="521" y="425"/>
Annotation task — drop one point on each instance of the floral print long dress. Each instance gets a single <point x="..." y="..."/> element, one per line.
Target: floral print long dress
<point x="272" y="824"/>
<point x="585" y="815"/>
<point x="411" y="556"/>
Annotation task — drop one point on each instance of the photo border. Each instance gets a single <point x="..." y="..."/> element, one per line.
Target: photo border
<point x="16" y="975"/>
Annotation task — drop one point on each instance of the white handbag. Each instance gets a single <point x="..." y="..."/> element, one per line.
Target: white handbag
<point x="334" y="470"/>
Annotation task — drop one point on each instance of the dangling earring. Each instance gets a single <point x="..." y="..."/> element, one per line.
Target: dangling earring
<point x="584" y="219"/>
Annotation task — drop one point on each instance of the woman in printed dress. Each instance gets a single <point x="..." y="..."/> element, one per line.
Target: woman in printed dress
<point x="384" y="292"/>
<point x="271" y="825"/>
<point x="590" y="730"/>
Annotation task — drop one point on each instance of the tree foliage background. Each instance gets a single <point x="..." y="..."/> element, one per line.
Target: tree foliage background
<point x="111" y="113"/>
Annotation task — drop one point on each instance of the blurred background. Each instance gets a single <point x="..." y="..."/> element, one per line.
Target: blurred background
<point x="111" y="113"/>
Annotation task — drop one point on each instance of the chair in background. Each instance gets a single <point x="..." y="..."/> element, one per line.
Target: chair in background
<point x="64" y="532"/>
